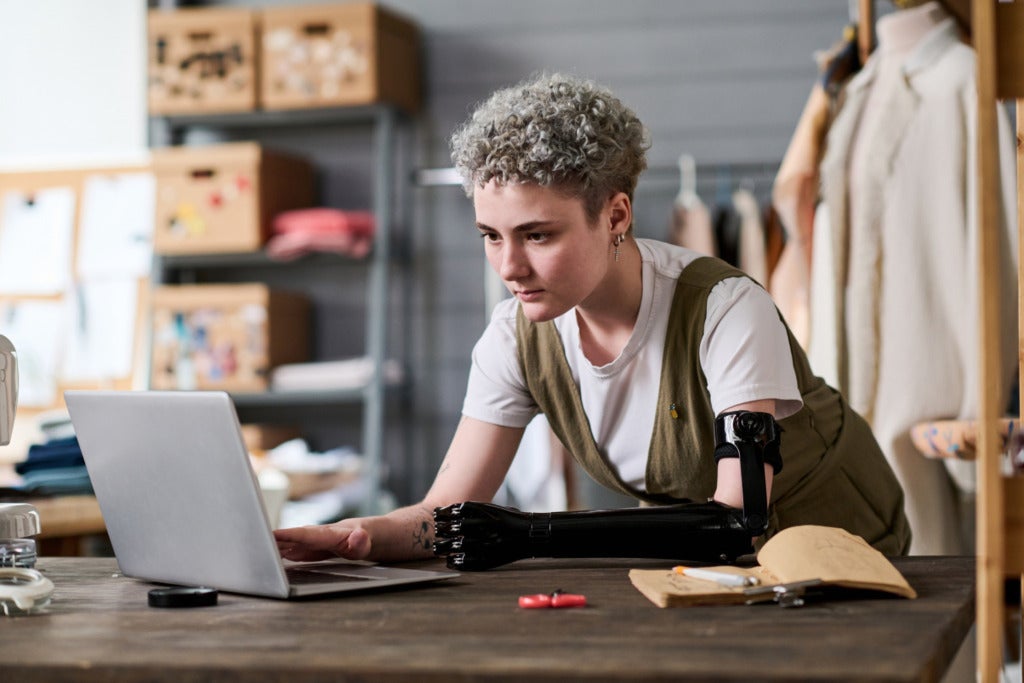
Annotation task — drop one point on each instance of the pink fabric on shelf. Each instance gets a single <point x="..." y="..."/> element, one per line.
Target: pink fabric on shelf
<point x="303" y="231"/>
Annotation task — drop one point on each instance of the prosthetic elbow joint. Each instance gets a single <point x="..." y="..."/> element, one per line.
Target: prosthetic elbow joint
<point x="754" y="438"/>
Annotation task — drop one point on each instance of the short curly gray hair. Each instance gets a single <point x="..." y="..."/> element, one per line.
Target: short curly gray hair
<point x="555" y="131"/>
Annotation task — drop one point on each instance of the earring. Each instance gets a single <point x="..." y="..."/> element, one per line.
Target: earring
<point x="619" y="239"/>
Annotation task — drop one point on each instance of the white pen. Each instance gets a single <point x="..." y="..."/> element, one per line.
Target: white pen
<point x="721" y="578"/>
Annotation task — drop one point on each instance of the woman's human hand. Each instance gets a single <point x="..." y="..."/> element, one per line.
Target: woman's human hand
<point x="346" y="538"/>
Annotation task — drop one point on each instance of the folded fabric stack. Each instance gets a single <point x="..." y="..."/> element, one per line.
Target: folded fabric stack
<point x="352" y="373"/>
<point x="54" y="468"/>
<point x="303" y="231"/>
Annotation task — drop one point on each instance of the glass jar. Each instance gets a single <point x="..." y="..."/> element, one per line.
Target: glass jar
<point x="19" y="523"/>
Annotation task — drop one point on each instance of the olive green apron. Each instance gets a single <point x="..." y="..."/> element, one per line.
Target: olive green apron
<point x="834" y="473"/>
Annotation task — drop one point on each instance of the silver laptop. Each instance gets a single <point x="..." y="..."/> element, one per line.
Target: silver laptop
<point x="182" y="504"/>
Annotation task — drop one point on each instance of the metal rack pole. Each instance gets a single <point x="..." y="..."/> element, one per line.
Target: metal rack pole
<point x="376" y="346"/>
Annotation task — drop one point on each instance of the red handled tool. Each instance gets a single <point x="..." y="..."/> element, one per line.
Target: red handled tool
<point x="557" y="599"/>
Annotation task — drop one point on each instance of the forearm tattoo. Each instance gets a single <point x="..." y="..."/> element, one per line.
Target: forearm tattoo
<point x="423" y="531"/>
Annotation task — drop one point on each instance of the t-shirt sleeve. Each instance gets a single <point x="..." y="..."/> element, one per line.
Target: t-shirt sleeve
<point x="496" y="392"/>
<point x="745" y="350"/>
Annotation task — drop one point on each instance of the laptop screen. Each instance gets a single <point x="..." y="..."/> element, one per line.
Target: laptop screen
<point x="176" y="488"/>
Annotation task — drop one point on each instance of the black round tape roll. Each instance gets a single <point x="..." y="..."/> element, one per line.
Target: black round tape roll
<point x="183" y="596"/>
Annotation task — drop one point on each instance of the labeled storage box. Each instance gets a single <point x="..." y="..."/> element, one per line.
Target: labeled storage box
<point x="222" y="198"/>
<point x="339" y="54"/>
<point x="202" y="61"/>
<point x="225" y="336"/>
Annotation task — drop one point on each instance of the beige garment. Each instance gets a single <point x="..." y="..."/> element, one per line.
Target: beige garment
<point x="753" y="256"/>
<point x="821" y="352"/>
<point x="898" y="35"/>
<point x="692" y="227"/>
<point x="919" y="195"/>
<point x="795" y="190"/>
<point x="794" y="196"/>
<point x="788" y="286"/>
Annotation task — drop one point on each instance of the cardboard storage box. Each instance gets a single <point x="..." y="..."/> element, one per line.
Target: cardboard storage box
<point x="223" y="198"/>
<point x="225" y="336"/>
<point x="202" y="61"/>
<point x="339" y="54"/>
<point x="259" y="438"/>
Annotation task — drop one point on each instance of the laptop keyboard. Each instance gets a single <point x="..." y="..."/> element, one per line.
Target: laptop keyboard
<point x="303" y="577"/>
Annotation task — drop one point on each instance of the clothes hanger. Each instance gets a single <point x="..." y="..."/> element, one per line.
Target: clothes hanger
<point x="687" y="197"/>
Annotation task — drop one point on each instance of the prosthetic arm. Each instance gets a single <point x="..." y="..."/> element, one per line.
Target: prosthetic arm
<point x="475" y="536"/>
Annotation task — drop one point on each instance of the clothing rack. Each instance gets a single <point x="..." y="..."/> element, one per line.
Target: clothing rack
<point x="996" y="28"/>
<point x="739" y="168"/>
<point x="713" y="182"/>
<point x="760" y="173"/>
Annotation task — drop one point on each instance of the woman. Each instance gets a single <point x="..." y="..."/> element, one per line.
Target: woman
<point x="631" y="347"/>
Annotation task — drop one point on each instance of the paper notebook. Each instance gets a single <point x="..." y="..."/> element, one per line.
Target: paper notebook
<point x="827" y="556"/>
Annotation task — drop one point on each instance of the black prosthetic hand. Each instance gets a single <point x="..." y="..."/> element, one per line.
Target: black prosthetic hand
<point x="475" y="536"/>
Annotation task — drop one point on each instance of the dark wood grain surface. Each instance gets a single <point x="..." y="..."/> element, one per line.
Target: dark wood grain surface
<point x="100" y="628"/>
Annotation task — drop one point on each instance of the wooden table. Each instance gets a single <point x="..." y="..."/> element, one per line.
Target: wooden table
<point x="99" y="628"/>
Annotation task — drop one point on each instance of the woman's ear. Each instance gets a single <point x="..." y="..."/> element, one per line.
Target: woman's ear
<point x="620" y="213"/>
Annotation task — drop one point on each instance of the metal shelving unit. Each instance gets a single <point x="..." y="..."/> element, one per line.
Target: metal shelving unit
<point x="385" y="120"/>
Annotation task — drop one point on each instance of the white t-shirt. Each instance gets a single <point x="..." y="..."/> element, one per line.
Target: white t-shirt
<point x="744" y="353"/>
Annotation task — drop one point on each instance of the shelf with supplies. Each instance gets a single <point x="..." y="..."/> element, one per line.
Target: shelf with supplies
<point x="185" y="263"/>
<point x="273" y="399"/>
<point x="393" y="384"/>
<point x="385" y="123"/>
<point x="262" y="118"/>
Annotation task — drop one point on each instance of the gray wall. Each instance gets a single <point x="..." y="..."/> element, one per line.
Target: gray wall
<point x="724" y="80"/>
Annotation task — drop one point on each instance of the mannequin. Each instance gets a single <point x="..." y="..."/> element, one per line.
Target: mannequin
<point x="898" y="189"/>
